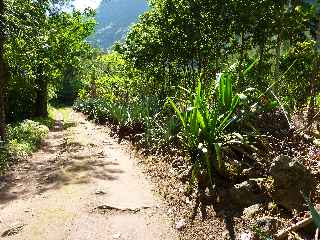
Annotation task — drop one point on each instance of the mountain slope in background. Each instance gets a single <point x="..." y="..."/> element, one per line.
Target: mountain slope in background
<point x="114" y="18"/>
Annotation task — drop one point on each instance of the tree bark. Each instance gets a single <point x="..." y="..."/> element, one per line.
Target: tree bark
<point x="41" y="103"/>
<point x="3" y="73"/>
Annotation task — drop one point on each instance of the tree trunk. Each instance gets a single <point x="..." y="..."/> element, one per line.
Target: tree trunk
<point x="3" y="74"/>
<point x="41" y="104"/>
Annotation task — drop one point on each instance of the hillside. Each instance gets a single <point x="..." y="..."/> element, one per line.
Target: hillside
<point x="113" y="20"/>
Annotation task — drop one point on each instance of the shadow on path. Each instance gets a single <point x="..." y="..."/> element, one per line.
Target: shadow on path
<point x="55" y="165"/>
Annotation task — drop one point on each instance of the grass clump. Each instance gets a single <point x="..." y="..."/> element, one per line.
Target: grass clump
<point x="27" y="135"/>
<point x="22" y="139"/>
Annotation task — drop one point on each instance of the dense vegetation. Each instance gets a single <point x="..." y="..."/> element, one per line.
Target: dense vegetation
<point x="227" y="85"/>
<point x="42" y="44"/>
<point x="181" y="59"/>
<point x="219" y="82"/>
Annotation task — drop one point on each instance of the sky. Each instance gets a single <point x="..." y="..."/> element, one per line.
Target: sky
<point x="82" y="4"/>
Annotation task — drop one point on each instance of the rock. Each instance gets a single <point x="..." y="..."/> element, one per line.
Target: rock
<point x="290" y="179"/>
<point x="251" y="211"/>
<point x="226" y="235"/>
<point x="177" y="163"/>
<point x="245" y="194"/>
<point x="274" y="122"/>
<point x="100" y="192"/>
<point x="181" y="224"/>
<point x="246" y="236"/>
<point x="188" y="201"/>
<point x="268" y="225"/>
<point x="116" y="236"/>
<point x="185" y="175"/>
<point x="251" y="173"/>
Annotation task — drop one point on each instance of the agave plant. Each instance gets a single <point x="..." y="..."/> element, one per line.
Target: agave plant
<point x="204" y="126"/>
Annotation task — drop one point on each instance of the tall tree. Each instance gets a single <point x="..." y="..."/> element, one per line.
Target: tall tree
<point x="64" y="44"/>
<point x="43" y="40"/>
<point x="179" y="37"/>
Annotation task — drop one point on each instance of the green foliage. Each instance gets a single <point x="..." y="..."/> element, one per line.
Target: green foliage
<point x="161" y="81"/>
<point x="261" y="234"/>
<point x="44" y="49"/>
<point x="315" y="215"/>
<point x="297" y="84"/>
<point x="123" y="115"/>
<point x="4" y="158"/>
<point x="205" y="121"/>
<point x="49" y="122"/>
<point x="27" y="133"/>
<point x="176" y="40"/>
<point x="22" y="139"/>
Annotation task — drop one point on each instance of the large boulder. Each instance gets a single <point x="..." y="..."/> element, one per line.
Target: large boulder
<point x="291" y="178"/>
<point x="251" y="211"/>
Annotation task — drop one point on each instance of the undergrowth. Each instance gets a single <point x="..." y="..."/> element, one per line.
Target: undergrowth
<point x="22" y="139"/>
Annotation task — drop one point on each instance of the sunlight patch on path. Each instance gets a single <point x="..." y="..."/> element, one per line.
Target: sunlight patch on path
<point x="60" y="186"/>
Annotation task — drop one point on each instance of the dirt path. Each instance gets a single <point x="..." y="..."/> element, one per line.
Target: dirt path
<point x="81" y="185"/>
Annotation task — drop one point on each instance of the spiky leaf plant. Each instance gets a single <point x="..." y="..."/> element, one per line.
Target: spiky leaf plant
<point x="204" y="131"/>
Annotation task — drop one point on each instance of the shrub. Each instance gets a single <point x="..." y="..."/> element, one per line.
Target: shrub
<point x="204" y="132"/>
<point x="28" y="131"/>
<point x="22" y="140"/>
<point x="4" y="156"/>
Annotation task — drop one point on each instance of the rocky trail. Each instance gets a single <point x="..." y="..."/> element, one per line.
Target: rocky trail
<point x="81" y="185"/>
